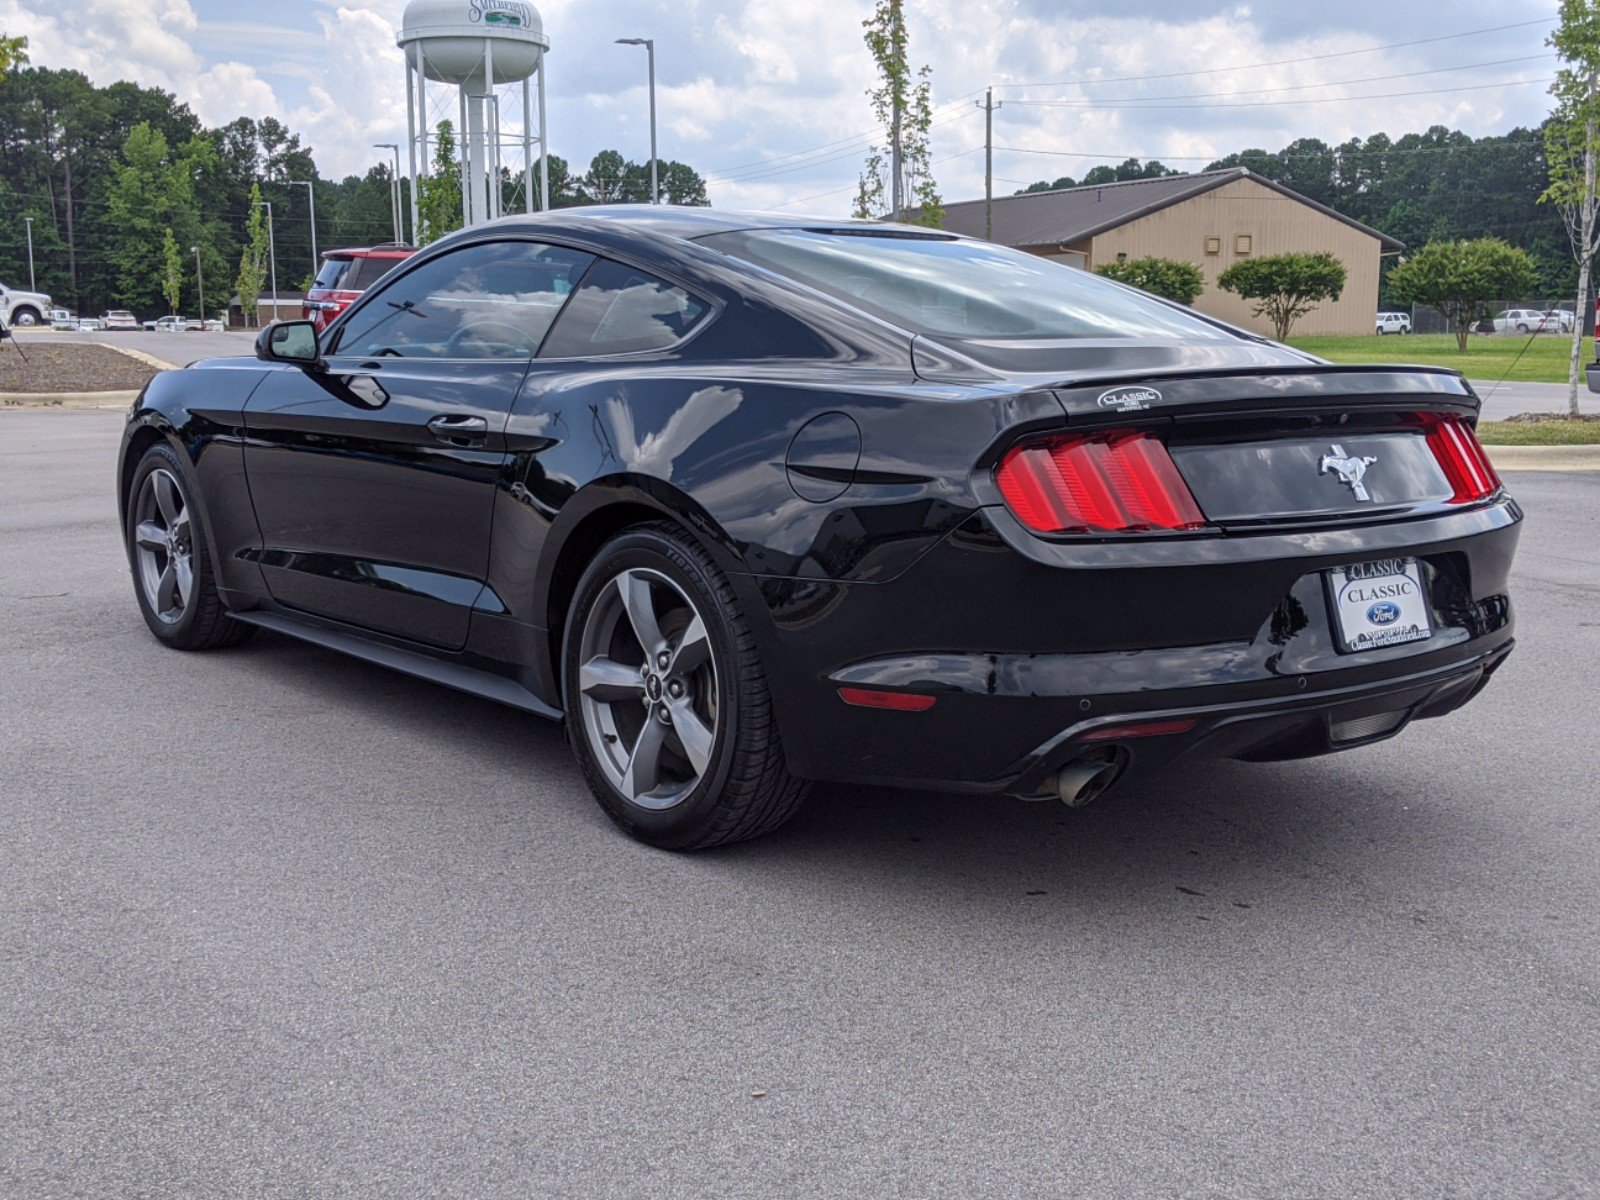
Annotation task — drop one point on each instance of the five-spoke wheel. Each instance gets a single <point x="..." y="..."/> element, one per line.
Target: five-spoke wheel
<point x="163" y="542"/>
<point x="648" y="687"/>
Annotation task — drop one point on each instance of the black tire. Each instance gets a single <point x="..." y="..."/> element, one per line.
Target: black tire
<point x="745" y="790"/>
<point x="1522" y="329"/>
<point x="203" y="624"/>
<point x="25" y="317"/>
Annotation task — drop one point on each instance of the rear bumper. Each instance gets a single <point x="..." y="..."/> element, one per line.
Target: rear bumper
<point x="1030" y="647"/>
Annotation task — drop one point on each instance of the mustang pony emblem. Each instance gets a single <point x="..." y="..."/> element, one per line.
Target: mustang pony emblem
<point x="1351" y="470"/>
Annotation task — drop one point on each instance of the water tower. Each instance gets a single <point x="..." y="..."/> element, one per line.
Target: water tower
<point x="478" y="47"/>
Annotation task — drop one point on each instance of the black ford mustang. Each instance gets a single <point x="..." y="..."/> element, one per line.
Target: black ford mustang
<point x="753" y="500"/>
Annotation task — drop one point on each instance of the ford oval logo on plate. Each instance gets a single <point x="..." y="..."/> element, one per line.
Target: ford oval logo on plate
<point x="1383" y="613"/>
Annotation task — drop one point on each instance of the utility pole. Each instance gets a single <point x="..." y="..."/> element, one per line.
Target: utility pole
<point x="200" y="281"/>
<point x="32" y="286"/>
<point x="311" y="192"/>
<point x="897" y="39"/>
<point x="988" y="105"/>
<point x="394" y="189"/>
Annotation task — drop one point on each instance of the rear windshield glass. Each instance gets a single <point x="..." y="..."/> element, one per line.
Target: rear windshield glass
<point x="962" y="289"/>
<point x="332" y="272"/>
<point x="365" y="272"/>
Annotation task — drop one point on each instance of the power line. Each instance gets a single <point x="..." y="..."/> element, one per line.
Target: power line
<point x="850" y="152"/>
<point x="1131" y="104"/>
<point x="1285" y="62"/>
<point x="1297" y="87"/>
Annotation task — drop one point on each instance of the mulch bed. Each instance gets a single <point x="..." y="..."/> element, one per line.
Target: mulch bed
<point x="1545" y="418"/>
<point x="64" y="368"/>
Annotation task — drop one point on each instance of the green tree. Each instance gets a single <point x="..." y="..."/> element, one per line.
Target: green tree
<point x="1571" y="150"/>
<point x="1180" y="281"/>
<point x="606" y="179"/>
<point x="682" y="184"/>
<point x="1461" y="279"/>
<point x="439" y="195"/>
<point x="150" y="192"/>
<point x="13" y="52"/>
<point x="171" y="271"/>
<point x="1285" y="287"/>
<point x="253" y="262"/>
<point x="903" y="110"/>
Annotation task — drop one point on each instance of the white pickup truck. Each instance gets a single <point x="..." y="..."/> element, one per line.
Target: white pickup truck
<point x="23" y="308"/>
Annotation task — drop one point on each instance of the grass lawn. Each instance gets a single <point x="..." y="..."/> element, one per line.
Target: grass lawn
<point x="1540" y="433"/>
<point x="1544" y="361"/>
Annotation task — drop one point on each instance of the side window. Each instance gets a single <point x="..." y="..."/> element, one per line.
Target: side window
<point x="493" y="300"/>
<point x="620" y="309"/>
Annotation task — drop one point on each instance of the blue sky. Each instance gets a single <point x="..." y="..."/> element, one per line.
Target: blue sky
<point x="765" y="97"/>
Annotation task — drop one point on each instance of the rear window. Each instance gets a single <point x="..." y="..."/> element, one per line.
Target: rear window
<point x="365" y="272"/>
<point x="962" y="289"/>
<point x="332" y="272"/>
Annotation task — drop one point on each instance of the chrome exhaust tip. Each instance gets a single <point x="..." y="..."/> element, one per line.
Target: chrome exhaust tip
<point x="1088" y="776"/>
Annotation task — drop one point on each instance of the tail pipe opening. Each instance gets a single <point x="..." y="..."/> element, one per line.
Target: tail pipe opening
<point x="1089" y="775"/>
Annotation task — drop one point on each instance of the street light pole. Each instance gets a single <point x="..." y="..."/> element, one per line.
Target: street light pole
<point x="650" y="51"/>
<point x="394" y="188"/>
<point x="272" y="253"/>
<point x="200" y="281"/>
<point x="32" y="285"/>
<point x="311" y="192"/>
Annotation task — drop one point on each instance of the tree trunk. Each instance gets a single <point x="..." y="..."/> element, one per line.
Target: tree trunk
<point x="1463" y="327"/>
<point x="1585" y="242"/>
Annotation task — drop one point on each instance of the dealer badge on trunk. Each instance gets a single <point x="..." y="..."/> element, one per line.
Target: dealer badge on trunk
<point x="1350" y="469"/>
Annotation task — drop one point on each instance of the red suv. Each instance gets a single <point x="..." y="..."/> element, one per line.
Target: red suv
<point x="346" y="274"/>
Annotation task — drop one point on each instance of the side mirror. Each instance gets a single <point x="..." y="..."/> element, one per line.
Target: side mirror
<point x="289" y="342"/>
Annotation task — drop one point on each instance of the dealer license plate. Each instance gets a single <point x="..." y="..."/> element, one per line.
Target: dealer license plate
<point x="1379" y="604"/>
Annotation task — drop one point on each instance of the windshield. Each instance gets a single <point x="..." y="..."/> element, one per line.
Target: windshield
<point x="962" y="289"/>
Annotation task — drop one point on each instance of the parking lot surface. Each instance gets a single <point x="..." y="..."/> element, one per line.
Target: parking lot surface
<point x="277" y="923"/>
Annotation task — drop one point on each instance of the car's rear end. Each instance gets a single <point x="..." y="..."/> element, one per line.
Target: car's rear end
<point x="345" y="274"/>
<point x="1183" y="541"/>
<point x="1265" y="566"/>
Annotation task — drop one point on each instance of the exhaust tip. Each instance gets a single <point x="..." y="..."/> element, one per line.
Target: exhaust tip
<point x="1088" y="776"/>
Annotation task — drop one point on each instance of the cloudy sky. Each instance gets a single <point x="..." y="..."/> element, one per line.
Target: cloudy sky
<point x="765" y="97"/>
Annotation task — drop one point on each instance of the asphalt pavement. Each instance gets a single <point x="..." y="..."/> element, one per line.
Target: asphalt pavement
<point x="277" y="923"/>
<point x="177" y="349"/>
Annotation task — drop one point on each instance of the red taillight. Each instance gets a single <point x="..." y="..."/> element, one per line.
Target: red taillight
<point x="1461" y="457"/>
<point x="877" y="698"/>
<point x="1120" y="482"/>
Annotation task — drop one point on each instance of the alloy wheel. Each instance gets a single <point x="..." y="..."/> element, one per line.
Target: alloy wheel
<point x="164" y="546"/>
<point x="647" y="688"/>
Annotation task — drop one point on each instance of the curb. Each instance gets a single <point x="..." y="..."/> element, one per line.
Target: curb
<point x="66" y="399"/>
<point x="1544" y="458"/>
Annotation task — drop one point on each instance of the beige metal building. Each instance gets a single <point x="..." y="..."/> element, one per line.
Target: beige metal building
<point x="1212" y="219"/>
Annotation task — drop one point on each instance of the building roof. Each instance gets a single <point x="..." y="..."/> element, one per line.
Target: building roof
<point x="1067" y="215"/>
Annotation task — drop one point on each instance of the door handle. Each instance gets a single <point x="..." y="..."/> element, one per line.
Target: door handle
<point x="458" y="428"/>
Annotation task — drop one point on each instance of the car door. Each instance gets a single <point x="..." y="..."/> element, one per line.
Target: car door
<point x="373" y="475"/>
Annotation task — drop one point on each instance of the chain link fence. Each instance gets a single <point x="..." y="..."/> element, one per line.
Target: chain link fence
<point x="1430" y="320"/>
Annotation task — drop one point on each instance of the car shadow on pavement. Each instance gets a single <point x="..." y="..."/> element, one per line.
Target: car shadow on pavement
<point x="1206" y="831"/>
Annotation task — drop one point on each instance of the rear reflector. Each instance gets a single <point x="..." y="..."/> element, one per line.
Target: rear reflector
<point x="898" y="701"/>
<point x="1119" y="482"/>
<point x="1461" y="457"/>
<point x="1110" y="733"/>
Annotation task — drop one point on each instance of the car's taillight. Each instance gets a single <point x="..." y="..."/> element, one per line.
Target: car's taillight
<point x="1118" y="482"/>
<point x="1461" y="457"/>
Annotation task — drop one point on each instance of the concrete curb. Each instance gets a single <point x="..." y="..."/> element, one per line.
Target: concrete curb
<point x="66" y="399"/>
<point x="1544" y="458"/>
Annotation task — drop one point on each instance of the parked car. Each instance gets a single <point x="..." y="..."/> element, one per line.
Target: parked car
<point x="748" y="503"/>
<point x="90" y="325"/>
<point x="211" y="325"/>
<point x="172" y="324"/>
<point x="346" y="274"/>
<point x="119" y="319"/>
<point x="1523" y="320"/>
<point x="23" y="309"/>
<point x="1393" y="322"/>
<point x="1558" y="320"/>
<point x="62" y="320"/>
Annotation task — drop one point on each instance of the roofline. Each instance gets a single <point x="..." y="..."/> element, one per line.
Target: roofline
<point x="1207" y="181"/>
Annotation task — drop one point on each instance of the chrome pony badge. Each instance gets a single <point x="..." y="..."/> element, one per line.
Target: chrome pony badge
<point x="1352" y="470"/>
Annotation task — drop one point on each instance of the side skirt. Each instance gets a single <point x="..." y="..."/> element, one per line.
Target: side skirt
<point x="473" y="680"/>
